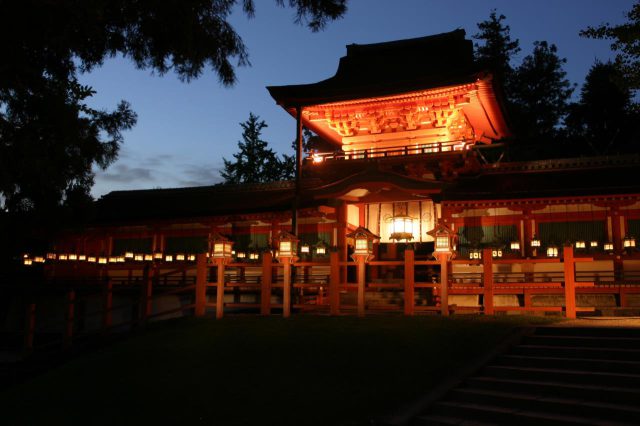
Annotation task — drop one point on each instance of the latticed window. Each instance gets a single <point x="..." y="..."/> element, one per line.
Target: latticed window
<point x="633" y="228"/>
<point x="135" y="245"/>
<point x="191" y="244"/>
<point x="485" y="236"/>
<point x="563" y="232"/>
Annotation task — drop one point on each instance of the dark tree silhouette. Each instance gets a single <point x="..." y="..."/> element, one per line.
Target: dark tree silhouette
<point x="497" y="48"/>
<point x="604" y="121"/>
<point x="49" y="139"/>
<point x="255" y="162"/>
<point x="539" y="95"/>
<point x="626" y="41"/>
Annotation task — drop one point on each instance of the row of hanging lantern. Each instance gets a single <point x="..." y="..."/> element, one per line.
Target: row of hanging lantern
<point x="552" y="250"/>
<point x="128" y="256"/>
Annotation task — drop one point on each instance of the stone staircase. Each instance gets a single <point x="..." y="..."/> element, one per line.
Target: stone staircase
<point x="554" y="376"/>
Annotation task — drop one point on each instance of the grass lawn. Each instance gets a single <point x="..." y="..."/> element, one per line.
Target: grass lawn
<point x="308" y="370"/>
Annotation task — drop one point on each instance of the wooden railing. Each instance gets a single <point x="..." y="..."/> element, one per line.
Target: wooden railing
<point x="377" y="153"/>
<point x="409" y="285"/>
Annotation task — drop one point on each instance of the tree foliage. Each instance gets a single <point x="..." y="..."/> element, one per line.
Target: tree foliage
<point x="540" y="93"/>
<point x="255" y="162"/>
<point x="497" y="48"/>
<point x="626" y="41"/>
<point x="604" y="120"/>
<point x="50" y="140"/>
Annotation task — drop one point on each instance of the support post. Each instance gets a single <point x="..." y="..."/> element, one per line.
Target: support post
<point x="286" y="290"/>
<point x="30" y="327"/>
<point x="147" y="294"/>
<point x="487" y="272"/>
<point x="362" y="273"/>
<point x="444" y="283"/>
<point x="201" y="285"/>
<point x="69" y="318"/>
<point x="569" y="283"/>
<point x="220" y="288"/>
<point x="265" y="290"/>
<point x="107" y="316"/>
<point x="334" y="283"/>
<point x="409" y="281"/>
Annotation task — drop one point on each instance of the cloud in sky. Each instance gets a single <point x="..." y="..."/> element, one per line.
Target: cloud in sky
<point x="133" y="171"/>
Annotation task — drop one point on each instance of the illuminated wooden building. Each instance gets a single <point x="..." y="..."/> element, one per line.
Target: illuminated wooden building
<point x="409" y="133"/>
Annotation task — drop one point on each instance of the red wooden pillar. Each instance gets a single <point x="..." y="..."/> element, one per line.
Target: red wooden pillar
<point x="409" y="282"/>
<point x="201" y="285"/>
<point x="265" y="289"/>
<point x="334" y="283"/>
<point x="362" y="273"/>
<point x="487" y="272"/>
<point x="444" y="283"/>
<point x="342" y="218"/>
<point x="107" y="316"/>
<point x="69" y="318"/>
<point x="220" y="288"/>
<point x="286" y="289"/>
<point x="30" y="327"/>
<point x="569" y="283"/>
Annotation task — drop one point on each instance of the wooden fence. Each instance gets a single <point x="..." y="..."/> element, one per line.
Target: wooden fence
<point x="332" y="287"/>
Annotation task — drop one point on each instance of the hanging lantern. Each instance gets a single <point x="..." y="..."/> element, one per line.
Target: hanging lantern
<point x="364" y="240"/>
<point x="51" y="256"/>
<point x="403" y="226"/>
<point x="82" y="257"/>
<point x="515" y="245"/>
<point x="496" y="253"/>
<point x="535" y="241"/>
<point x="321" y="248"/>
<point x="26" y="260"/>
<point x="72" y="256"/>
<point x="157" y="255"/>
<point x="138" y="257"/>
<point x="102" y="260"/>
<point x="38" y="259"/>
<point x="581" y="245"/>
<point x="254" y="255"/>
<point x="168" y="258"/>
<point x="593" y="244"/>
<point x="443" y="237"/>
<point x="220" y="246"/>
<point x="180" y="257"/>
<point x="304" y="248"/>
<point x="148" y="257"/>
<point x="91" y="259"/>
<point x="552" y="251"/>
<point x="287" y="245"/>
<point x="113" y="259"/>
<point x="241" y="254"/>
<point x="608" y="246"/>
<point x="475" y="254"/>
<point x="63" y="256"/>
<point x="191" y="257"/>
<point x="629" y="242"/>
<point x="128" y="255"/>
<point x="121" y="259"/>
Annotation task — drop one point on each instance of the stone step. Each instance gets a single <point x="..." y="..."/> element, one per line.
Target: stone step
<point x="573" y="352"/>
<point x="513" y="416"/>
<point x="601" y="365"/>
<point x="565" y="376"/>
<point x="588" y="331"/>
<point x="605" y="394"/>
<point x="584" y="341"/>
<point x="525" y="400"/>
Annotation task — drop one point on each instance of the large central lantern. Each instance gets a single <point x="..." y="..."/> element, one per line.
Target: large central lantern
<point x="403" y="226"/>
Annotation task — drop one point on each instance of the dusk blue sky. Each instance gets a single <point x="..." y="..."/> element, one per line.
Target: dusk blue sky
<point x="185" y="129"/>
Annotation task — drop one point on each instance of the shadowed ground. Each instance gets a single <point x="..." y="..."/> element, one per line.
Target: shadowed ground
<point x="307" y="370"/>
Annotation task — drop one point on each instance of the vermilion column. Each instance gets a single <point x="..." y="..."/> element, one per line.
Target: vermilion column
<point x="487" y="270"/>
<point x="443" y="258"/>
<point x="265" y="289"/>
<point x="569" y="283"/>
<point x="409" y="282"/>
<point x="334" y="284"/>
